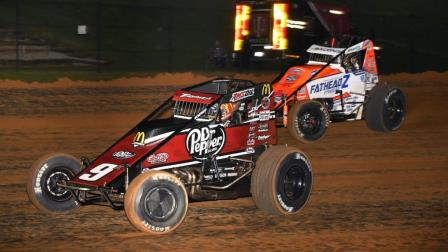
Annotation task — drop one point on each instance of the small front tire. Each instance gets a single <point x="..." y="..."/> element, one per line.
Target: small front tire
<point x="308" y="121"/>
<point x="156" y="202"/>
<point x="42" y="185"/>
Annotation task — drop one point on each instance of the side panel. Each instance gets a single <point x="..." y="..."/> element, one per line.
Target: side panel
<point x="296" y="76"/>
<point x="192" y="144"/>
<point x="186" y="149"/>
<point x="352" y="86"/>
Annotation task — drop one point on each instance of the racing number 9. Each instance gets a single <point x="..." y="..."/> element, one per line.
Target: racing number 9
<point x="98" y="172"/>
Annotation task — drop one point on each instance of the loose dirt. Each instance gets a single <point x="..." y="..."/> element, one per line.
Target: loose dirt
<point x="372" y="191"/>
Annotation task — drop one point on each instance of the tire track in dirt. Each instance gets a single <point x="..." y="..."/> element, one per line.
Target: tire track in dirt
<point x="371" y="191"/>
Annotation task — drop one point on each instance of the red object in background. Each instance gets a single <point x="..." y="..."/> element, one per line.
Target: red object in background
<point x="279" y="34"/>
<point x="242" y="20"/>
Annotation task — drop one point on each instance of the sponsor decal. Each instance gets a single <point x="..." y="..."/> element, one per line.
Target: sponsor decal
<point x="191" y="96"/>
<point x="300" y="156"/>
<point x="296" y="70"/>
<point x="242" y="94"/>
<point x="265" y="115"/>
<point x="158" y="158"/>
<point x="266" y="89"/>
<point x="323" y="49"/>
<point x="389" y="95"/>
<point x="344" y="96"/>
<point x="139" y="139"/>
<point x="98" y="172"/>
<point x="278" y="99"/>
<point x="265" y="102"/>
<point x="302" y="94"/>
<point x="123" y="154"/>
<point x="291" y="78"/>
<point x="250" y="150"/>
<point x="331" y="85"/>
<point x="205" y="141"/>
<point x="221" y="175"/>
<point x="37" y="188"/>
<point x="283" y="204"/>
<point x="208" y="177"/>
<point x="232" y="174"/>
<point x="354" y="48"/>
<point x="263" y="127"/>
<point x="262" y="138"/>
<point x="155" y="228"/>
<point x="251" y="135"/>
<point x="369" y="78"/>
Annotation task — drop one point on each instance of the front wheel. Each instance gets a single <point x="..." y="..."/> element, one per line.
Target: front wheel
<point x="156" y="202"/>
<point x="282" y="180"/>
<point x="385" y="108"/>
<point x="43" y="179"/>
<point x="308" y="121"/>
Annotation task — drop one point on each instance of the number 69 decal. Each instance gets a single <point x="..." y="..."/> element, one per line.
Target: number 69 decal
<point x="98" y="172"/>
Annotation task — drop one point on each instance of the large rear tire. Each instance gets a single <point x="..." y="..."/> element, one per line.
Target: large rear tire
<point x="308" y="121"/>
<point x="156" y="202"/>
<point x="282" y="180"/>
<point x="42" y="187"/>
<point x="385" y="108"/>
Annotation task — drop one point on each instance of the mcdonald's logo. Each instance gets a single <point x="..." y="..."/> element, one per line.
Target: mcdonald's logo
<point x="139" y="139"/>
<point x="266" y="89"/>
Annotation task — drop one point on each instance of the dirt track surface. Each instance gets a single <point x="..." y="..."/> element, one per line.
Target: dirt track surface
<point x="372" y="191"/>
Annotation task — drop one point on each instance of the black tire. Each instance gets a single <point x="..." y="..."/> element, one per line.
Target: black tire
<point x="308" y="121"/>
<point x="281" y="181"/>
<point x="147" y="210"/>
<point x="385" y="108"/>
<point x="41" y="184"/>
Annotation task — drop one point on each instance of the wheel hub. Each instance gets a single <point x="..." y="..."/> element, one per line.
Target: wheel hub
<point x="294" y="183"/>
<point x="160" y="203"/>
<point x="309" y="123"/>
<point x="56" y="192"/>
<point x="394" y="110"/>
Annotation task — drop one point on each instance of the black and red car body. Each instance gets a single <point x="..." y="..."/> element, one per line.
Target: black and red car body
<point x="179" y="140"/>
<point x="203" y="143"/>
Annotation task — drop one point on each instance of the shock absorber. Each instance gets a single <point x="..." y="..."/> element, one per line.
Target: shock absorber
<point x="285" y="114"/>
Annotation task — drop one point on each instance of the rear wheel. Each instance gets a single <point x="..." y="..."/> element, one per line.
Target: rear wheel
<point x="385" y="109"/>
<point x="308" y="121"/>
<point x="281" y="183"/>
<point x="43" y="179"/>
<point x="156" y="202"/>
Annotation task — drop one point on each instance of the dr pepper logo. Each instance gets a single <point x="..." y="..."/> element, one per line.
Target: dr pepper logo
<point x="205" y="141"/>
